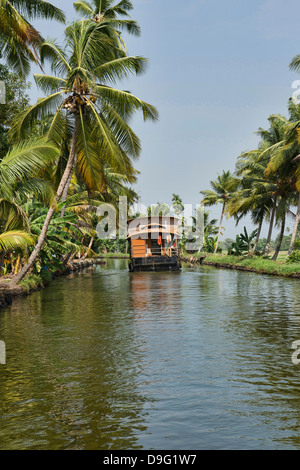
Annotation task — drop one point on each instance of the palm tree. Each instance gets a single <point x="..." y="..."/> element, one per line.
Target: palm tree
<point x="223" y="187"/>
<point x="284" y="163"/>
<point x="210" y="232"/>
<point x="266" y="178"/>
<point x="20" y="40"/>
<point x="20" y="179"/>
<point x="177" y="203"/>
<point x="101" y="11"/>
<point x="250" y="197"/>
<point x="281" y="216"/>
<point x="271" y="144"/>
<point x="96" y="114"/>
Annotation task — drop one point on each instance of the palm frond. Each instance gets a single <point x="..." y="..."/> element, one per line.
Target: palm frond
<point x="125" y="103"/>
<point x="41" y="109"/>
<point x="26" y="159"/>
<point x="84" y="8"/>
<point x="15" y="239"/>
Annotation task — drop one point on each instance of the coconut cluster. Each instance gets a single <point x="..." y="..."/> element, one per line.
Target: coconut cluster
<point x="77" y="100"/>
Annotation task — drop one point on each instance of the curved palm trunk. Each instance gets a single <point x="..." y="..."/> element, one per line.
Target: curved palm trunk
<point x="66" y="188"/>
<point x="258" y="235"/>
<point x="63" y="182"/>
<point x="295" y="228"/>
<point x="267" y="247"/>
<point x="280" y="239"/>
<point x="220" y="226"/>
<point x="89" y="248"/>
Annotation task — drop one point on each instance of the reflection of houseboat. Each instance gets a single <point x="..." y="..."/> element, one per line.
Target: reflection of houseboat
<point x="153" y="243"/>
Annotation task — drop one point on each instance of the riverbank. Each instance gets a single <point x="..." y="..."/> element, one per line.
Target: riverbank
<point x="114" y="256"/>
<point x="254" y="264"/>
<point x="9" y="289"/>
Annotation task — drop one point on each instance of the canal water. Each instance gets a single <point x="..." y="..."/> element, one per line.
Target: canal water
<point x="111" y="360"/>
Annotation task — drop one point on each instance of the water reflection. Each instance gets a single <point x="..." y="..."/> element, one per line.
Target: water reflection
<point x="107" y="359"/>
<point x="168" y="293"/>
<point x="70" y="381"/>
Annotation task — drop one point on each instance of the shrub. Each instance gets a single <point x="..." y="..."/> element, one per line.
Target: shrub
<point x="296" y="245"/>
<point x="31" y="282"/>
<point x="294" y="257"/>
<point x="46" y="276"/>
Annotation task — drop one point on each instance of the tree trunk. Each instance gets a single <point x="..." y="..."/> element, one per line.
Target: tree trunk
<point x="267" y="247"/>
<point x="66" y="188"/>
<point x="295" y="228"/>
<point x="89" y="248"/>
<point x="258" y="235"/>
<point x="63" y="182"/>
<point x="280" y="239"/>
<point x="2" y="256"/>
<point x="220" y="226"/>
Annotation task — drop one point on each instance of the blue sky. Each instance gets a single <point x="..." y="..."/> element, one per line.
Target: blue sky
<point x="216" y="71"/>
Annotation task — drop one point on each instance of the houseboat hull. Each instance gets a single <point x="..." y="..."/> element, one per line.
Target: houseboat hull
<point x="155" y="263"/>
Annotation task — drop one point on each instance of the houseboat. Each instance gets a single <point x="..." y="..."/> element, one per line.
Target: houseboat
<point x="153" y="243"/>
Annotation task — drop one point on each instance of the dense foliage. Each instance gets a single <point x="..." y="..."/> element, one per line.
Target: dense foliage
<point x="73" y="150"/>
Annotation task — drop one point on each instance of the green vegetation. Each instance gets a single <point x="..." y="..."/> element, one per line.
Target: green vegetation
<point x="259" y="264"/>
<point x="294" y="257"/>
<point x="221" y="192"/>
<point x="265" y="184"/>
<point x="115" y="255"/>
<point x="73" y="150"/>
<point x="32" y="282"/>
<point x="16" y="101"/>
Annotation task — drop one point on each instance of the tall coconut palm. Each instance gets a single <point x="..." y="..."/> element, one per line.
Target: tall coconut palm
<point x="96" y="112"/>
<point x="248" y="198"/>
<point x="271" y="179"/>
<point x="256" y="194"/>
<point x="101" y="11"/>
<point x="284" y="164"/>
<point x="223" y="188"/>
<point x="20" y="40"/>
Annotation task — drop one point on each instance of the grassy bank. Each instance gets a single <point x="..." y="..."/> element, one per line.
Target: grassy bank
<point x="246" y="263"/>
<point x="114" y="255"/>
